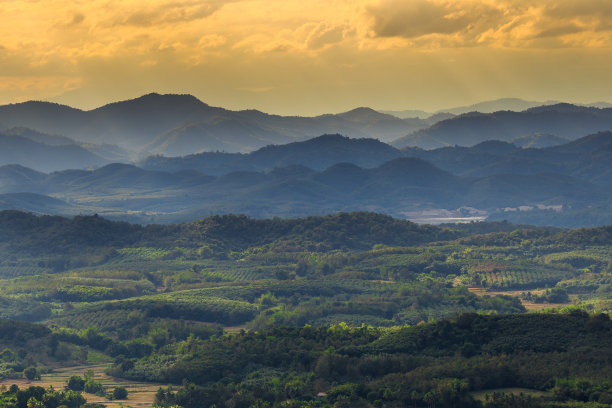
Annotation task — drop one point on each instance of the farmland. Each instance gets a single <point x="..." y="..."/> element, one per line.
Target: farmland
<point x="144" y="305"/>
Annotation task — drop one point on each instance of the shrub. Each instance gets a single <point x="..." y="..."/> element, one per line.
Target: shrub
<point x="31" y="373"/>
<point x="120" y="393"/>
<point x="76" y="383"/>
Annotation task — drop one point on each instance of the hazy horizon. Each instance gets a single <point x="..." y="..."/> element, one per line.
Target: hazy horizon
<point x="296" y="58"/>
<point x="347" y="109"/>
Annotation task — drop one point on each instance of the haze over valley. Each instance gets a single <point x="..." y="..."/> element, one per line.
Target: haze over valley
<point x="172" y="158"/>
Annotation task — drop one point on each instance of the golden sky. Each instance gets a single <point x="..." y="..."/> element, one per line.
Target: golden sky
<point x="306" y="56"/>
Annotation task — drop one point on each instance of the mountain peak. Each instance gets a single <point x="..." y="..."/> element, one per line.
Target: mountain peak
<point x="365" y="114"/>
<point x="156" y="101"/>
<point x="561" y="107"/>
<point x="362" y="110"/>
<point x="494" y="147"/>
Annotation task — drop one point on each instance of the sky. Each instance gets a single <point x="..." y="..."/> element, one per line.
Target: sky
<point x="306" y="57"/>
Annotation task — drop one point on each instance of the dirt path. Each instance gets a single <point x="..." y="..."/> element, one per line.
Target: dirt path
<point x="139" y="394"/>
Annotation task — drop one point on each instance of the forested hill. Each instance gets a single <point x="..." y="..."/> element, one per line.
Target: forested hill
<point x="439" y="364"/>
<point x="26" y="232"/>
<point x="359" y="230"/>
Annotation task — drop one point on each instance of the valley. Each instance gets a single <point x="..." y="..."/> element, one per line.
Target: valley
<point x="186" y="301"/>
<point x="305" y="204"/>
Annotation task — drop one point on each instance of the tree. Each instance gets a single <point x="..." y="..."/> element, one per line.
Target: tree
<point x="34" y="403"/>
<point x="120" y="393"/>
<point x="76" y="383"/>
<point x="31" y="373"/>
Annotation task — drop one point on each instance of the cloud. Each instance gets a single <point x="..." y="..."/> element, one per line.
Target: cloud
<point x="559" y="31"/>
<point x="323" y="35"/>
<point x="507" y="23"/>
<point x="211" y="41"/>
<point x="77" y="18"/>
<point x="168" y="13"/>
<point x="411" y="19"/>
<point x="578" y="8"/>
<point x="244" y="47"/>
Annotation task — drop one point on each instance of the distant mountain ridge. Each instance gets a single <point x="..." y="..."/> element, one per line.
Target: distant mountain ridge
<point x="496" y="105"/>
<point x="502" y="104"/>
<point x="587" y="158"/>
<point x="277" y="184"/>
<point x="538" y="159"/>
<point x="562" y="120"/>
<point x="17" y="149"/>
<point x="317" y="153"/>
<point x="35" y="203"/>
<point x="177" y="125"/>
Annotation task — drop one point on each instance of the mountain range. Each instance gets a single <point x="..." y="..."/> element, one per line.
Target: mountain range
<point x="317" y="153"/>
<point x="327" y="174"/>
<point x="177" y="125"/>
<point x="562" y="120"/>
<point x="60" y="160"/>
<point x="587" y="158"/>
<point x="44" y="152"/>
<point x="182" y="125"/>
<point x="502" y="104"/>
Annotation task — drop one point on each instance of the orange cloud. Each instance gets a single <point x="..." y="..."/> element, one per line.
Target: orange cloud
<point x="313" y="51"/>
<point x="506" y="23"/>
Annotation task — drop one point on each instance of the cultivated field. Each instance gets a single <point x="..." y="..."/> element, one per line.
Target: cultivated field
<point x="139" y="394"/>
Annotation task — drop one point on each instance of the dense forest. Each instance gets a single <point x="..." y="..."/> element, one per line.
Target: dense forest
<point x="26" y="232"/>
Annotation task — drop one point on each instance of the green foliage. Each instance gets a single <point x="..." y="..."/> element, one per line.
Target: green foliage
<point x="554" y="295"/>
<point x="441" y="362"/>
<point x="80" y="293"/>
<point x="55" y="235"/>
<point x="23" y="309"/>
<point x="91" y="386"/>
<point x="155" y="299"/>
<point x="39" y="397"/>
<point x="119" y="393"/>
<point x="76" y="383"/>
<point x="31" y="373"/>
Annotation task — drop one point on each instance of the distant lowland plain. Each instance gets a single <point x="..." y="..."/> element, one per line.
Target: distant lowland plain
<point x="173" y="158"/>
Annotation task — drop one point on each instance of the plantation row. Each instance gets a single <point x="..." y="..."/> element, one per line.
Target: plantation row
<point x="206" y="309"/>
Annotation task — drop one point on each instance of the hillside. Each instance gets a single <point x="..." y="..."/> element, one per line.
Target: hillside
<point x="317" y="153"/>
<point x="584" y="158"/>
<point x="353" y="307"/>
<point x="396" y="187"/>
<point x="176" y="125"/>
<point x="27" y="232"/>
<point x="563" y="120"/>
<point x="24" y="151"/>
<point x="35" y="203"/>
<point x="503" y="104"/>
<point x="487" y="353"/>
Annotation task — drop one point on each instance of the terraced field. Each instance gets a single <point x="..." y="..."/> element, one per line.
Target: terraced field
<point x="139" y="394"/>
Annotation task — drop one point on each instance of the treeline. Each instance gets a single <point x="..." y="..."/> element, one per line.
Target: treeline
<point x="52" y="234"/>
<point x="39" y="397"/>
<point x="439" y="364"/>
<point x="21" y="332"/>
<point x="26" y="349"/>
